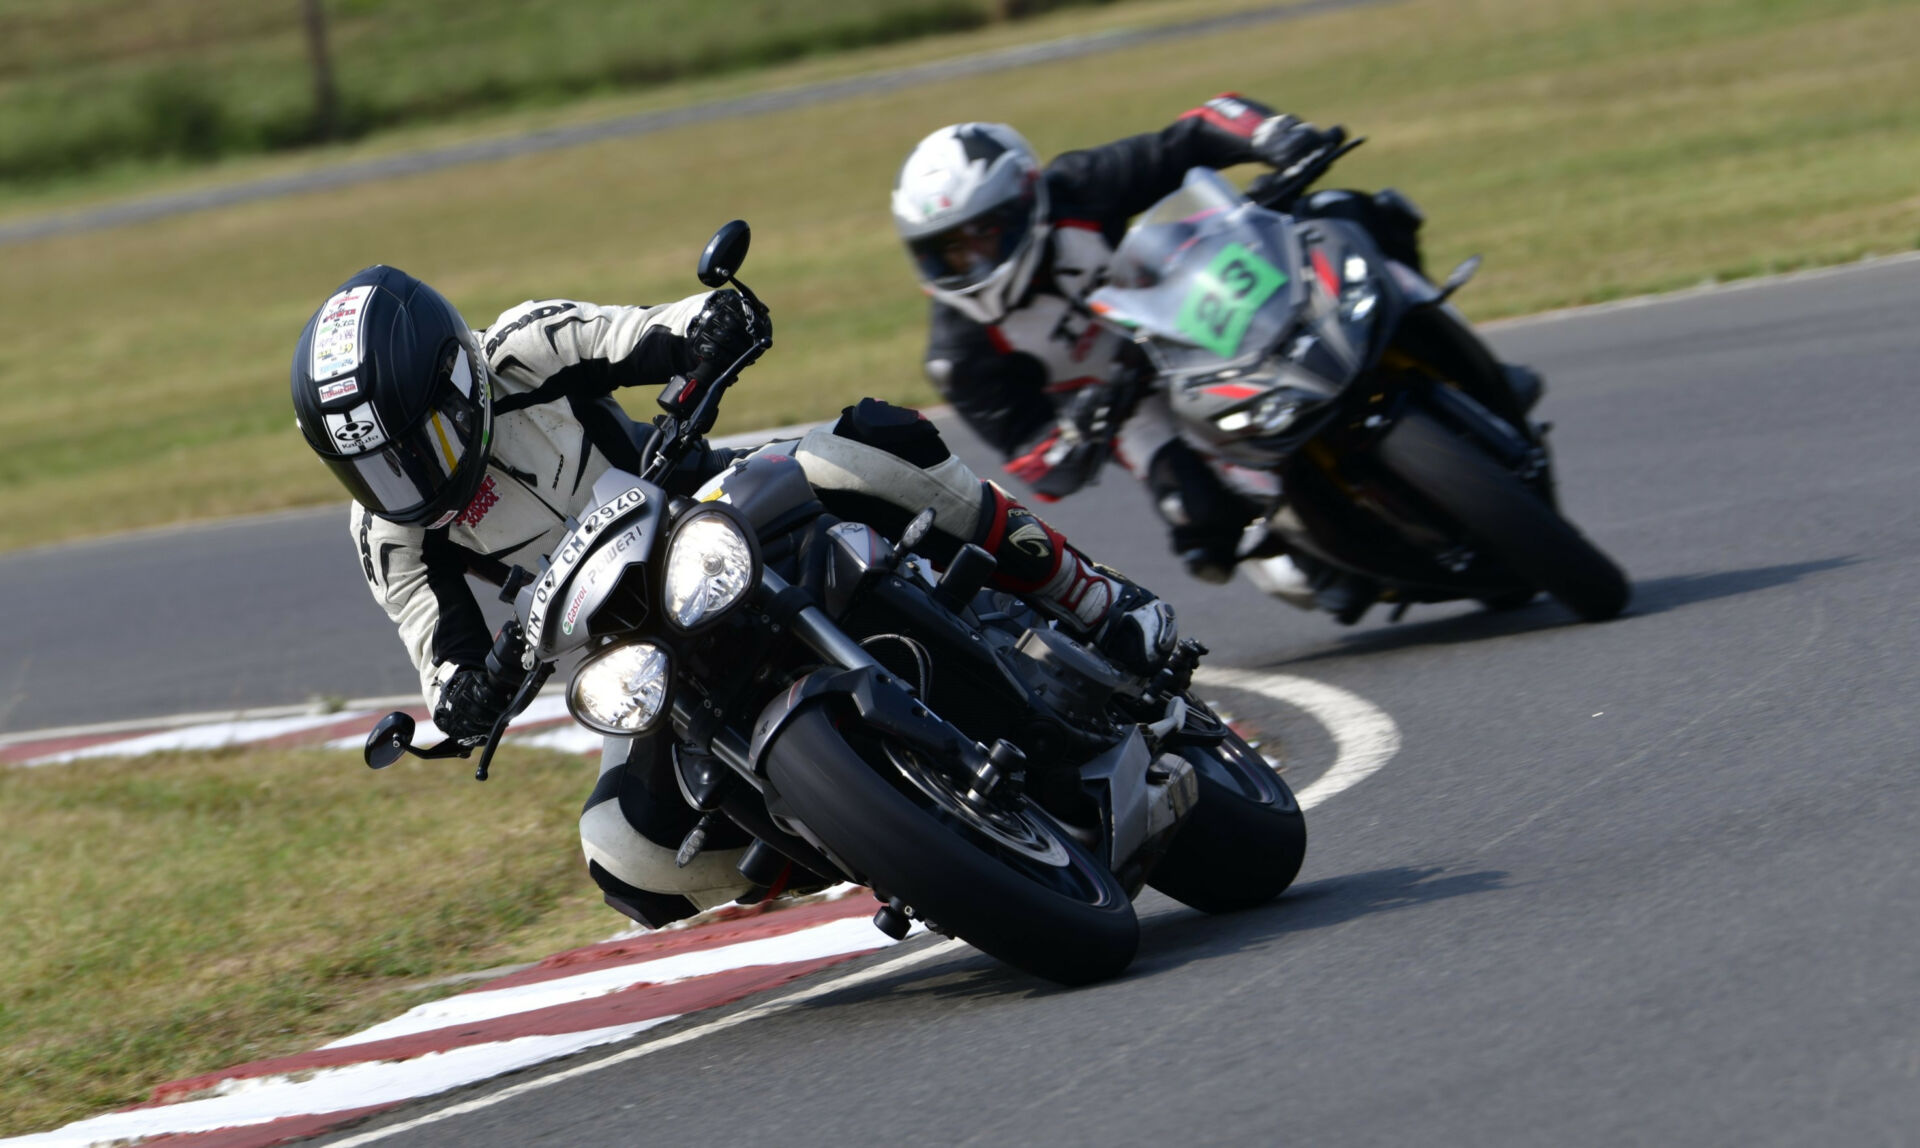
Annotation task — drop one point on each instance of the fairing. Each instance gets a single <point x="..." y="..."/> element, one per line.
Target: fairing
<point x="1256" y="322"/>
<point x="1205" y="281"/>
<point x="563" y="608"/>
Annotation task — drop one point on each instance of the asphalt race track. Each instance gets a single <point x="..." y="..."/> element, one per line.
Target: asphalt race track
<point x="1642" y="882"/>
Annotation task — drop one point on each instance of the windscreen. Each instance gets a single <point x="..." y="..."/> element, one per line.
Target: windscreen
<point x="1207" y="278"/>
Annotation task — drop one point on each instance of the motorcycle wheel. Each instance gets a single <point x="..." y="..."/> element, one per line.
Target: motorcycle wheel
<point x="1011" y="882"/>
<point x="1515" y="525"/>
<point x="1244" y="841"/>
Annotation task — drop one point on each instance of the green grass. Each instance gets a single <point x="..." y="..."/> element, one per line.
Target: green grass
<point x="84" y="83"/>
<point x="171" y="916"/>
<point x="1589" y="148"/>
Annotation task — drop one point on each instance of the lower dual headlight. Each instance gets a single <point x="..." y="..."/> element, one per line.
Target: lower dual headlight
<point x="1273" y="414"/>
<point x="710" y="566"/>
<point x="621" y="690"/>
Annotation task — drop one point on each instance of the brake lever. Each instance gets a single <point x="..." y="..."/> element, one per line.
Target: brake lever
<point x="535" y="678"/>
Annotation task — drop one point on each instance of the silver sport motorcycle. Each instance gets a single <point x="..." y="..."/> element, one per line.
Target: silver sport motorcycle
<point x="1392" y="446"/>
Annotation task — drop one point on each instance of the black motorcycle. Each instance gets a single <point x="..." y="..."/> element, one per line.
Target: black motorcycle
<point x="864" y="718"/>
<point x="1292" y="347"/>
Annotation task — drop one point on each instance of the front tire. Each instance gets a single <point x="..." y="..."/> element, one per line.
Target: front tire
<point x="1516" y="526"/>
<point x="1042" y="903"/>
<point x="1244" y="841"/>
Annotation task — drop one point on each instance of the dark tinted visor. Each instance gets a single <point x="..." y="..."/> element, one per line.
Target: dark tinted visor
<point x="967" y="254"/>
<point x="403" y="474"/>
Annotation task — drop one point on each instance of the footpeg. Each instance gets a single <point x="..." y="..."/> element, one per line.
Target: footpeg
<point x="892" y="919"/>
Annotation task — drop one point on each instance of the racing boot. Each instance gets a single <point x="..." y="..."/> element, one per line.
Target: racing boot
<point x="1124" y="620"/>
<point x="1309" y="584"/>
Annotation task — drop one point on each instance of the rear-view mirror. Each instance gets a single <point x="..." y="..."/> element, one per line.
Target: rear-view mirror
<point x="389" y="740"/>
<point x="725" y="252"/>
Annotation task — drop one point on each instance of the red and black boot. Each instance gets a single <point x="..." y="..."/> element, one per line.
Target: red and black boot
<point x="1126" y="621"/>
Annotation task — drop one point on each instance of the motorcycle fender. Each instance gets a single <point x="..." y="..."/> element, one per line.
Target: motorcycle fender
<point x="880" y="700"/>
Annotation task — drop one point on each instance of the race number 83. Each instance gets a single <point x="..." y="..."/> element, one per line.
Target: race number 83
<point x="1224" y="298"/>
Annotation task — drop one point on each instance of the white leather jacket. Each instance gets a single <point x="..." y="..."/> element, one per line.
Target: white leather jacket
<point x="556" y="428"/>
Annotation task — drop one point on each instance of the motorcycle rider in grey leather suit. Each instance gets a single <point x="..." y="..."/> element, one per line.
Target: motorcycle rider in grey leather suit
<point x="468" y="452"/>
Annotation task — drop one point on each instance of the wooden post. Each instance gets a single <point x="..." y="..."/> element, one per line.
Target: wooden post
<point x="326" y="101"/>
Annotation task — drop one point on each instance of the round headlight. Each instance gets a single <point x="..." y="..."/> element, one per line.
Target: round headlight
<point x="621" y="690"/>
<point x="710" y="566"/>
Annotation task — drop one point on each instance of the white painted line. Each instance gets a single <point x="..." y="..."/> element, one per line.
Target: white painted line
<point x="175" y="721"/>
<point x="835" y="938"/>
<point x="887" y="968"/>
<point x="1365" y="736"/>
<point x="259" y="1100"/>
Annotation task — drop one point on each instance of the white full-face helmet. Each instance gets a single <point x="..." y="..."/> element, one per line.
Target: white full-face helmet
<point x="972" y="209"/>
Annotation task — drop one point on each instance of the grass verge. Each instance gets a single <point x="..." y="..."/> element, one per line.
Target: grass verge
<point x="173" y="916"/>
<point x="87" y="82"/>
<point x="1589" y="148"/>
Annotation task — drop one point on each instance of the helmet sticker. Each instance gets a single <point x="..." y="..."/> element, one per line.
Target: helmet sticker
<point x="343" y="389"/>
<point x="336" y="333"/>
<point x="463" y="374"/>
<point x="358" y="430"/>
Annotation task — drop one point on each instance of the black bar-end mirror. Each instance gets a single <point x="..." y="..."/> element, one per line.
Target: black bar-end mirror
<point x="389" y="740"/>
<point x="725" y="252"/>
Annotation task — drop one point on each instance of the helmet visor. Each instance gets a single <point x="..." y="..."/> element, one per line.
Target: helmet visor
<point x="401" y="476"/>
<point x="968" y="253"/>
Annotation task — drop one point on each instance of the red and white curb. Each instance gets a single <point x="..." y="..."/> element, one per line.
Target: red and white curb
<point x="544" y="723"/>
<point x="566" y="1003"/>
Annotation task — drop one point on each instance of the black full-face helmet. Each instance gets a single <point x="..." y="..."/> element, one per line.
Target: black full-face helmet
<point x="391" y="391"/>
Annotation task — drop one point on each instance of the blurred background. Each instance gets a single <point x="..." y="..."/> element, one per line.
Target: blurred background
<point x="1589" y="149"/>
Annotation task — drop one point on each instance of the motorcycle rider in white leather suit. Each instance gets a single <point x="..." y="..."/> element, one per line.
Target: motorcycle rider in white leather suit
<point x="467" y="452"/>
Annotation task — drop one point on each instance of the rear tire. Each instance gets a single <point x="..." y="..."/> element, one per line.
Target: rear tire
<point x="1515" y="525"/>
<point x="1243" y="843"/>
<point x="1066" y="919"/>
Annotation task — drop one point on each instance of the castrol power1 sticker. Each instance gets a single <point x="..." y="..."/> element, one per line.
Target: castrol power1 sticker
<point x="336" y="336"/>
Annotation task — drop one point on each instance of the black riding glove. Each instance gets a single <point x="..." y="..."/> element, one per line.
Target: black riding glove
<point x="470" y="703"/>
<point x="1282" y="141"/>
<point x="723" y="331"/>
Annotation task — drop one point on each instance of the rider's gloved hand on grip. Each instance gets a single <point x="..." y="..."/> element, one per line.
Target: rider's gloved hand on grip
<point x="724" y="331"/>
<point x="470" y="703"/>
<point x="1282" y="141"/>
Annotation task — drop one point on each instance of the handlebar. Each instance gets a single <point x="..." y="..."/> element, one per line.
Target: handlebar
<point x="1277" y="190"/>
<point x="672" y="437"/>
<point x="392" y="737"/>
